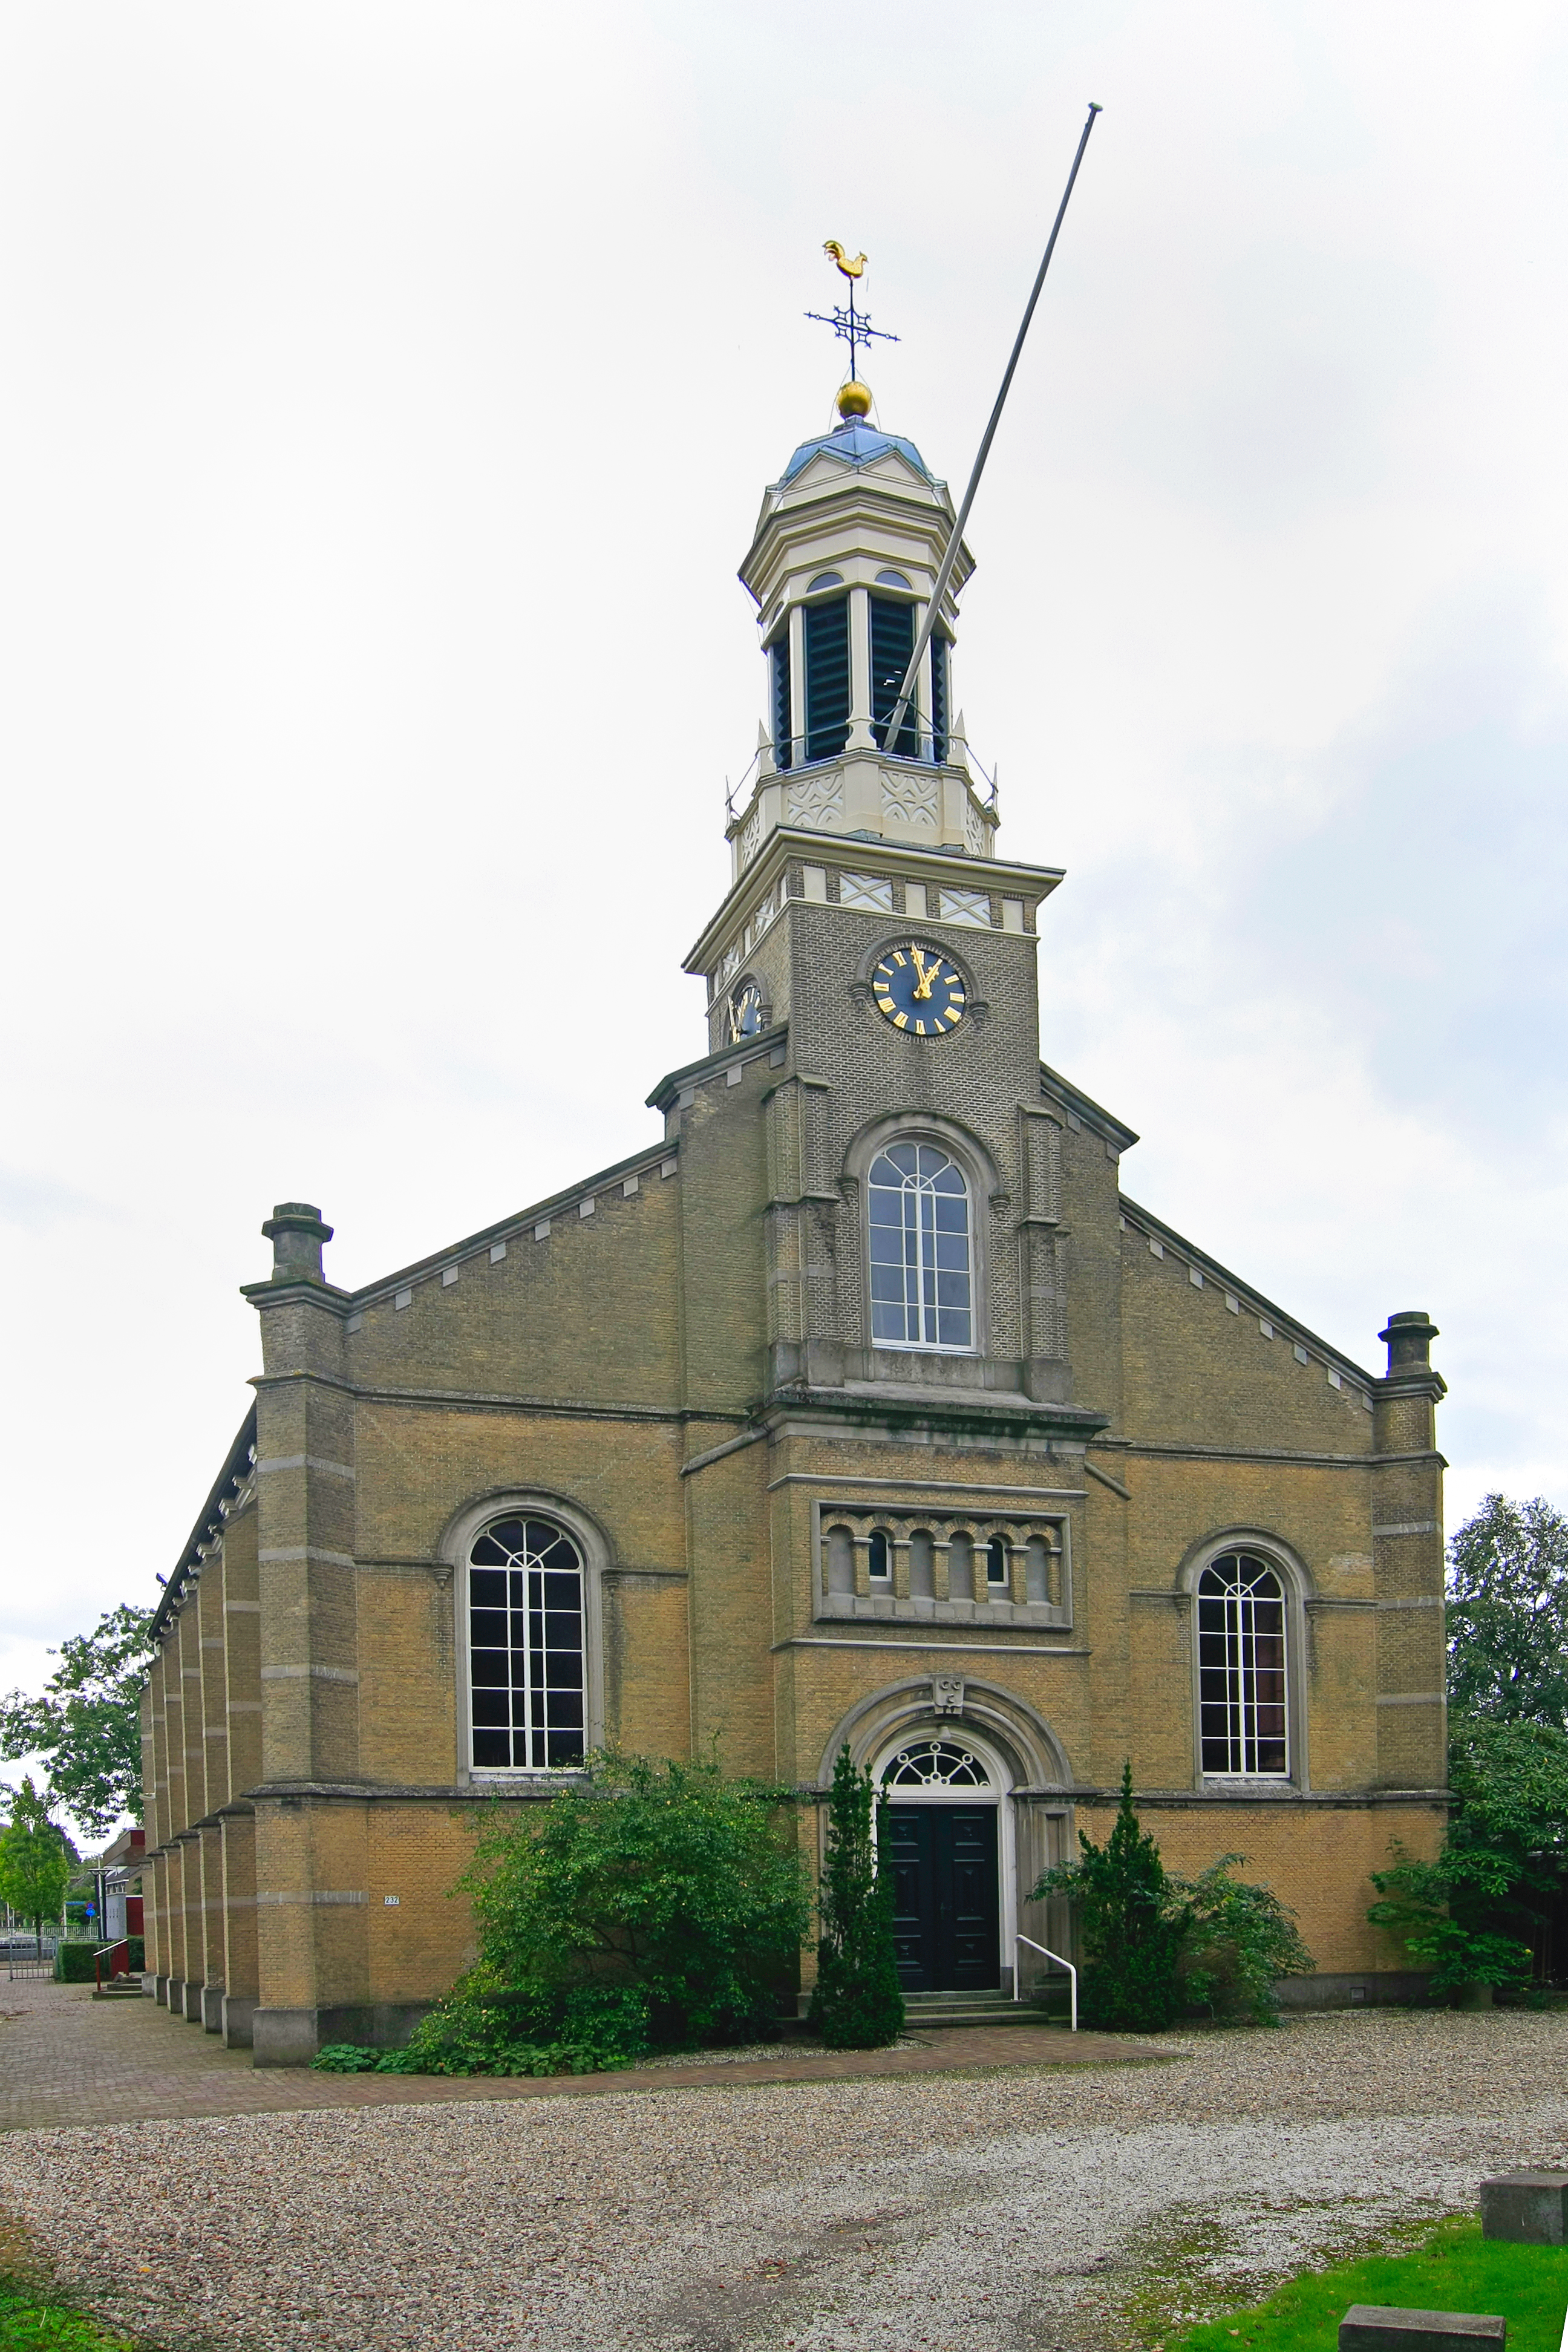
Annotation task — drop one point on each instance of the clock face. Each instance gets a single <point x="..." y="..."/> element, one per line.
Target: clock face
<point x="919" y="991"/>
<point x="745" y="1011"/>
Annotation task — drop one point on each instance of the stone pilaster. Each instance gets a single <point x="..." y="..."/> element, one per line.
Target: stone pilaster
<point x="209" y="1608"/>
<point x="1407" y="1554"/>
<point x="174" y="1818"/>
<point x="242" y="1615"/>
<point x="240" y="1971"/>
<point x="151" y="1944"/>
<point x="309" y="1667"/>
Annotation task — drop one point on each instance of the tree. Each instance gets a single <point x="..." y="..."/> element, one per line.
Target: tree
<point x="87" y="1721"/>
<point x="1470" y="1916"/>
<point x="1131" y="1929"/>
<point x="1507" y="1613"/>
<point x="857" y="2003"/>
<point x="35" y="1861"/>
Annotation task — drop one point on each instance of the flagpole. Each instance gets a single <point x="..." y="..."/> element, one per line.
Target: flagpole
<point x="950" y="557"/>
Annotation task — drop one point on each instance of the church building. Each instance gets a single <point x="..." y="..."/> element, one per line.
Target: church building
<point x="863" y="1406"/>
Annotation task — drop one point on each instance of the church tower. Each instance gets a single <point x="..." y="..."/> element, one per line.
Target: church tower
<point x="871" y="925"/>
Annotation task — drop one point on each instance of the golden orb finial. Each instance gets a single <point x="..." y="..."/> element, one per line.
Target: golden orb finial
<point x="854" y="400"/>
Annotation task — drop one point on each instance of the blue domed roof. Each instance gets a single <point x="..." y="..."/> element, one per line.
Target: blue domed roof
<point x="856" y="442"/>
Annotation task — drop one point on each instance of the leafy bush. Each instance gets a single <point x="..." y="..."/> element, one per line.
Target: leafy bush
<point x="1153" y="1943"/>
<point x="1469" y="1915"/>
<point x="654" y="1904"/>
<point x="669" y="1878"/>
<point x="857" y="2003"/>
<point x="486" y="2027"/>
<point x="344" y="2058"/>
<point x="74" y="1962"/>
<point x="1237" y="1939"/>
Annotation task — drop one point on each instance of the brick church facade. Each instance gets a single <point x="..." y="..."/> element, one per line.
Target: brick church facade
<point x="863" y="1406"/>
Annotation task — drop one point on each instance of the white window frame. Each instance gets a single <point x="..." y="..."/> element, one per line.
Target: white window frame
<point x="590" y="1542"/>
<point x="922" y="1345"/>
<point x="1237" y="1630"/>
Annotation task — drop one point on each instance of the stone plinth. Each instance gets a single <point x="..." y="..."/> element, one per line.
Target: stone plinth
<point x="1383" y="2327"/>
<point x="1528" y="2209"/>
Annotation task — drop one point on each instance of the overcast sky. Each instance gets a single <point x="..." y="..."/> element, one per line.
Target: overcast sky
<point x="386" y="397"/>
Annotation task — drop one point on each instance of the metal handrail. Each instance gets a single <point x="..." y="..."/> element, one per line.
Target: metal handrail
<point x="1019" y="1937"/>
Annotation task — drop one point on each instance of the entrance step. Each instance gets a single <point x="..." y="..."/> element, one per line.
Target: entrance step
<point x="972" y="2009"/>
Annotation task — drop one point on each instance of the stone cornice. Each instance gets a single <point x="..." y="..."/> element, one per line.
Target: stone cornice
<point x="231" y="1478"/>
<point x="901" y="1413"/>
<point x="763" y="1047"/>
<point x="1422" y="1384"/>
<point x="299" y="1290"/>
<point x="787" y="843"/>
<point x="1055" y="1089"/>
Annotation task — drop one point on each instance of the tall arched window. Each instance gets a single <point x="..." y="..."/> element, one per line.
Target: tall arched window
<point x="525" y="1636"/>
<point x="920" y="1276"/>
<point x="1242" y="1725"/>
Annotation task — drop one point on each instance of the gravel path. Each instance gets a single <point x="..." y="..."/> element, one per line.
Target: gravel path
<point x="1017" y="2208"/>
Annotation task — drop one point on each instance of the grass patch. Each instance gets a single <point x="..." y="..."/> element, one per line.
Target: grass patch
<point x="1456" y="2270"/>
<point x="33" y="2318"/>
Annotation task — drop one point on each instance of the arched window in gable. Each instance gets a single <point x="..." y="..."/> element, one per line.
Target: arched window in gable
<point x="1242" y="1697"/>
<point x="921" y="1264"/>
<point x="525" y="1647"/>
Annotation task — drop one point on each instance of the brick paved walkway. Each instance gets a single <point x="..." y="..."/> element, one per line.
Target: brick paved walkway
<point x="67" y="2059"/>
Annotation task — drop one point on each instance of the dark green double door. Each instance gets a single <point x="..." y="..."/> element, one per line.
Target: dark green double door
<point x="946" y="1915"/>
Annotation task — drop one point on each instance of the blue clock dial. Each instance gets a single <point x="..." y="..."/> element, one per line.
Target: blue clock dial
<point x="919" y="991"/>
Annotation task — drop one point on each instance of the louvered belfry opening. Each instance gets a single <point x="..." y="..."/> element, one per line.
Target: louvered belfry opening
<point x="939" y="720"/>
<point x="826" y="678"/>
<point x="892" y="642"/>
<point x="778" y="659"/>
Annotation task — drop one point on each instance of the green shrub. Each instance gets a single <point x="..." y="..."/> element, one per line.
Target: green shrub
<point x="486" y="2027"/>
<point x="344" y="2058"/>
<point x="1237" y="1939"/>
<point x="1153" y="1943"/>
<point x="1130" y="1937"/>
<point x="1471" y="1916"/>
<point x="1440" y="1914"/>
<point x="74" y="1962"/>
<point x="653" y="1904"/>
<point x="857" y="2003"/>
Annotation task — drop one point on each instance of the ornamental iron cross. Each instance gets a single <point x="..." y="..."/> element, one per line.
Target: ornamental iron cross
<point x="854" y="325"/>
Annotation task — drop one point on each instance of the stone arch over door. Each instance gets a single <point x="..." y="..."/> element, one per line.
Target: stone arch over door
<point x="1028" y="1766"/>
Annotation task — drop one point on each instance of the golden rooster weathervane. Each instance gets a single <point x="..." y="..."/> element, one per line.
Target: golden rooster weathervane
<point x="854" y="326"/>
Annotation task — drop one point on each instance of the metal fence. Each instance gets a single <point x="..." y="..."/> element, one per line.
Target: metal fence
<point x="25" y="1961"/>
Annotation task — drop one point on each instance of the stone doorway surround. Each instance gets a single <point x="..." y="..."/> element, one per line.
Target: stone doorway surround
<point x="1028" y="1776"/>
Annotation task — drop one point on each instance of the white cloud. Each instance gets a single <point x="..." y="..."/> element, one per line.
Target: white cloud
<point x="389" y="395"/>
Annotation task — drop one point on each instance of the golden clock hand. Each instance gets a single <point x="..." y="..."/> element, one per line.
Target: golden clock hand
<point x="923" y="989"/>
